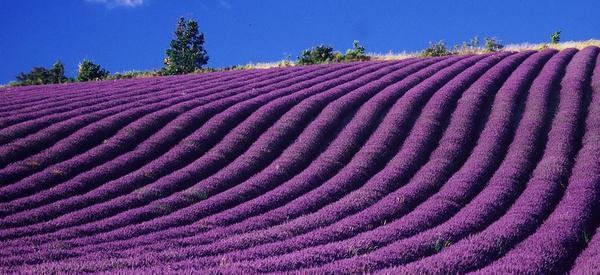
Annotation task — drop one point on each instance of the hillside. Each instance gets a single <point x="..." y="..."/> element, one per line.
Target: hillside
<point x="487" y="162"/>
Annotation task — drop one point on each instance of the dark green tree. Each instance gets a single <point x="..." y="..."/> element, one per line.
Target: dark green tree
<point x="319" y="54"/>
<point x="88" y="71"/>
<point x="186" y="52"/>
<point x="41" y="75"/>
<point x="57" y="73"/>
<point x="357" y="53"/>
<point x="555" y="37"/>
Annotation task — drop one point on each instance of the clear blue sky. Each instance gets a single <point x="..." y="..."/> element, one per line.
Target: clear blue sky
<point x="133" y="34"/>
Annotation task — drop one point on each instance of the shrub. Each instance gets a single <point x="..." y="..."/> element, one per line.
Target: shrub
<point x="41" y="75"/>
<point x="357" y="53"/>
<point x="436" y="49"/>
<point x="186" y="53"/>
<point x="492" y="45"/>
<point x="319" y="54"/>
<point x="555" y="37"/>
<point x="326" y="54"/>
<point x="88" y="71"/>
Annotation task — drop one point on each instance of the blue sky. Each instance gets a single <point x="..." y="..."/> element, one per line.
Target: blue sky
<point x="133" y="34"/>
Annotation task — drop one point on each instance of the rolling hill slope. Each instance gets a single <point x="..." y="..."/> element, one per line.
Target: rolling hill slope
<point x="475" y="163"/>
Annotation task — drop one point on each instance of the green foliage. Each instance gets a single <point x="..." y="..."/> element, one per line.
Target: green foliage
<point x="41" y="75"/>
<point x="436" y="49"/>
<point x="319" y="54"/>
<point x="357" y="53"/>
<point x="326" y="54"/>
<point x="555" y="37"/>
<point x="186" y="53"/>
<point x="492" y="44"/>
<point x="88" y="71"/>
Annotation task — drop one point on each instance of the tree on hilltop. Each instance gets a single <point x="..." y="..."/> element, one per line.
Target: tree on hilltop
<point x="186" y="52"/>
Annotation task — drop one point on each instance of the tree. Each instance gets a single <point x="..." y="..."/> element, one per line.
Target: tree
<point x="436" y="49"/>
<point x="88" y="71"/>
<point x="41" y="75"/>
<point x="492" y="44"/>
<point x="57" y="73"/>
<point x="555" y="37"/>
<point x="186" y="52"/>
<point x="357" y="53"/>
<point x="319" y="54"/>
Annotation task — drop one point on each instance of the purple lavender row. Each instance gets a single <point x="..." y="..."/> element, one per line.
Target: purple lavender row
<point x="465" y="109"/>
<point x="174" y="131"/>
<point x="190" y="119"/>
<point x="46" y="94"/>
<point x="367" y="116"/>
<point x="233" y="243"/>
<point x="233" y="144"/>
<point x="34" y="163"/>
<point x="127" y="136"/>
<point x="70" y="104"/>
<point x="307" y="137"/>
<point x="390" y="79"/>
<point x="506" y="103"/>
<point x="418" y="94"/>
<point x="77" y="92"/>
<point x="205" y="138"/>
<point x="508" y="181"/>
<point x="90" y="135"/>
<point x="371" y="217"/>
<point x="73" y="91"/>
<point x="151" y="148"/>
<point x="553" y="245"/>
<point x="20" y="130"/>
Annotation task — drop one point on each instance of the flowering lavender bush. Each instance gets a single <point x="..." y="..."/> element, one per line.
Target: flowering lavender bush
<point x="476" y="163"/>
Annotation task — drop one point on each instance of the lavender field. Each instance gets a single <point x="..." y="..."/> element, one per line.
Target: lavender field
<point x="484" y="163"/>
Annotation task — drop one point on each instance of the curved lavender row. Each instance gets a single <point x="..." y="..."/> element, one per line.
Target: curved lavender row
<point x="21" y="148"/>
<point x="506" y="102"/>
<point x="49" y="95"/>
<point x="173" y="131"/>
<point x="54" y="93"/>
<point x="392" y="118"/>
<point x="19" y="169"/>
<point x="461" y="125"/>
<point x="232" y="144"/>
<point x="508" y="181"/>
<point x="390" y="91"/>
<point x="14" y="132"/>
<point x="373" y="216"/>
<point x="279" y="202"/>
<point x="60" y="105"/>
<point x="423" y="90"/>
<point x="382" y="73"/>
<point x="327" y="119"/>
<point x="90" y="135"/>
<point x="127" y="137"/>
<point x="551" y="249"/>
<point x="32" y="93"/>
<point x="105" y="90"/>
<point x="339" y="149"/>
<point x="188" y="120"/>
<point x="209" y="250"/>
<point x="246" y="130"/>
<point x="154" y="146"/>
